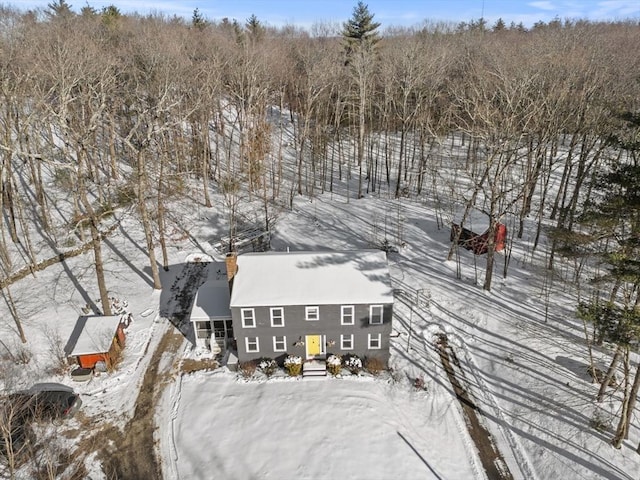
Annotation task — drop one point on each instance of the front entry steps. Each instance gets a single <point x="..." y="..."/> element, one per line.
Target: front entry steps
<point x="314" y="369"/>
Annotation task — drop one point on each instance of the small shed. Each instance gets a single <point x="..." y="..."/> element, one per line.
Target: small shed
<point x="96" y="338"/>
<point x="474" y="234"/>
<point x="211" y="315"/>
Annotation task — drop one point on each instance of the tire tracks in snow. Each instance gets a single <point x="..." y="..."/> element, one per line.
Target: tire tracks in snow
<point x="522" y="460"/>
<point x="132" y="452"/>
<point x="458" y="418"/>
<point x="422" y="348"/>
<point x="176" y="396"/>
<point x="482" y="393"/>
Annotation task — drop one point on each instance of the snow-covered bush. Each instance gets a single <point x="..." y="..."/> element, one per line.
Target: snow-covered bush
<point x="293" y="365"/>
<point x="334" y="364"/>
<point x="353" y="364"/>
<point x="268" y="366"/>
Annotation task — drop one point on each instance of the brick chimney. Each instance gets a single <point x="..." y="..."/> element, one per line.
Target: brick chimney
<point x="232" y="267"/>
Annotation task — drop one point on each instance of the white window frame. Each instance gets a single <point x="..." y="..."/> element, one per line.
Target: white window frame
<point x="349" y="337"/>
<point x="371" y="310"/>
<point x="310" y="312"/>
<point x="203" y="332"/>
<point x="252" y="340"/>
<point x="344" y="314"/>
<point x="245" y="317"/>
<point x="276" y="342"/>
<point x="377" y="337"/>
<point x="281" y="316"/>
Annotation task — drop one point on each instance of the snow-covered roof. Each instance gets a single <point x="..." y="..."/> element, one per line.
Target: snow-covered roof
<point x="212" y="300"/>
<point x="476" y="221"/>
<point x="311" y="278"/>
<point x="92" y="334"/>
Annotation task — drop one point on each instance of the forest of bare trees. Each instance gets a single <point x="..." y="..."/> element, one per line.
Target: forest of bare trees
<point x="105" y="114"/>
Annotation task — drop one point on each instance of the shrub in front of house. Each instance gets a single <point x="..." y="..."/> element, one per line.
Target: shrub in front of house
<point x="373" y="365"/>
<point x="353" y="363"/>
<point x="247" y="369"/>
<point x="293" y="365"/>
<point x="334" y="364"/>
<point x="268" y="366"/>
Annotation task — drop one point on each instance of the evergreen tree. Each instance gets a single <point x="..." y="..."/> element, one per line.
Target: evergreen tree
<point x="111" y="12"/>
<point x="198" y="21"/>
<point x="361" y="37"/>
<point x="110" y="15"/>
<point x="499" y="26"/>
<point x="613" y="221"/>
<point x="59" y="9"/>
<point x="520" y="28"/>
<point x="360" y="29"/>
<point x="254" y="28"/>
<point x="88" y="11"/>
<point x="616" y="217"/>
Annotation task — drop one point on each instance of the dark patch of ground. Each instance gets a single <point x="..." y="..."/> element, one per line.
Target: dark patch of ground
<point x="190" y="365"/>
<point x="131" y="453"/>
<point x="491" y="458"/>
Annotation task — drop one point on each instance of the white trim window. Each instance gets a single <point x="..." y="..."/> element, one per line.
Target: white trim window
<point x="312" y="314"/>
<point x="375" y="341"/>
<point x="252" y="344"/>
<point x="280" y="343"/>
<point x="346" y="342"/>
<point x="347" y="315"/>
<point x="277" y="317"/>
<point x="375" y="314"/>
<point x="203" y="329"/>
<point x="248" y="317"/>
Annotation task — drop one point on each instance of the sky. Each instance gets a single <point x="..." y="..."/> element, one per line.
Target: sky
<point x="304" y="13"/>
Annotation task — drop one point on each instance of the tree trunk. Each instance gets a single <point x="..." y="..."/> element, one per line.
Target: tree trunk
<point x="96" y="238"/>
<point x="610" y="373"/>
<point x="206" y="161"/>
<point x="623" y="424"/>
<point x="161" y="223"/>
<point x="633" y="398"/>
<point x="491" y="254"/>
<point x="14" y="313"/>
<point x="99" y="265"/>
<point x="146" y="222"/>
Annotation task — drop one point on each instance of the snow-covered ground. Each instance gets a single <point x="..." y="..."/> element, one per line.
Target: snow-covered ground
<point x="527" y="376"/>
<point x="336" y="428"/>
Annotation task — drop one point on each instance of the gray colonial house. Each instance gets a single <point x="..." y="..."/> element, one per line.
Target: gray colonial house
<point x="311" y="304"/>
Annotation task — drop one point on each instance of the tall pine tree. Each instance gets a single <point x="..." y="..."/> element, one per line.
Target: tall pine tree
<point x="360" y="30"/>
<point x="361" y="37"/>
<point x="198" y="21"/>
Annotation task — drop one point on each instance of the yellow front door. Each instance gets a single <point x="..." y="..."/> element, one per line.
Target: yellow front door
<point x="313" y="345"/>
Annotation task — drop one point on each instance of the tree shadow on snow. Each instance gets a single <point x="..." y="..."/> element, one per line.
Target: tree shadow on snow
<point x="179" y="287"/>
